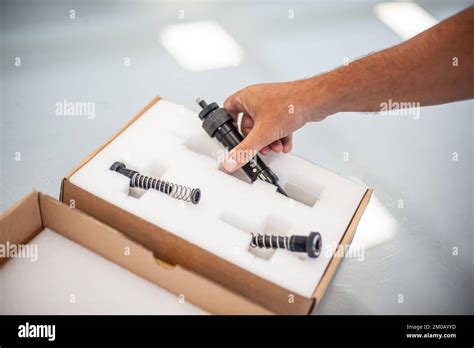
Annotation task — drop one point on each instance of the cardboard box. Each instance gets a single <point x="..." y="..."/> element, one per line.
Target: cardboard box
<point x="37" y="211"/>
<point x="175" y="251"/>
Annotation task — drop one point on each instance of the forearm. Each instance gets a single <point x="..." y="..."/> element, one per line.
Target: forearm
<point x="434" y="67"/>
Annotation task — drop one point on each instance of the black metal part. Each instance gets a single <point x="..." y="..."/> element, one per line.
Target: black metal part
<point x="145" y="182"/>
<point x="122" y="169"/>
<point x="311" y="245"/>
<point x="218" y="123"/>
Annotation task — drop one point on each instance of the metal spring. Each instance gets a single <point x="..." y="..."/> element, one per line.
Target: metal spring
<point x="146" y="183"/>
<point x="270" y="241"/>
<point x="180" y="192"/>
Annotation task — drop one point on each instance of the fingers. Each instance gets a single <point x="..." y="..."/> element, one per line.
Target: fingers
<point x="258" y="129"/>
<point x="287" y="143"/>
<point x="265" y="150"/>
<point x="246" y="125"/>
<point x="283" y="144"/>
<point x="246" y="150"/>
<point x="234" y="105"/>
<point x="276" y="146"/>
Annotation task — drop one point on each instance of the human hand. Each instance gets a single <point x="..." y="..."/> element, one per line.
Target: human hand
<point x="271" y="113"/>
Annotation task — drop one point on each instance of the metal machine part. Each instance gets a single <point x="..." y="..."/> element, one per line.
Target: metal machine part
<point x="311" y="245"/>
<point x="218" y="123"/>
<point x="177" y="191"/>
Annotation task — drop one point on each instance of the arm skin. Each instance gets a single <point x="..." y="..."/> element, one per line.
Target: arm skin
<point x="420" y="70"/>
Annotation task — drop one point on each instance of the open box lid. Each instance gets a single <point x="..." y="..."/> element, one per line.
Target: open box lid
<point x="100" y="204"/>
<point x="37" y="211"/>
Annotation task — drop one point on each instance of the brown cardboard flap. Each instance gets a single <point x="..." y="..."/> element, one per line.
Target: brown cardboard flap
<point x="21" y="222"/>
<point x="116" y="247"/>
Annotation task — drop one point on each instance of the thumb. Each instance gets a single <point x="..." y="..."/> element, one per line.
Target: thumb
<point x="246" y="150"/>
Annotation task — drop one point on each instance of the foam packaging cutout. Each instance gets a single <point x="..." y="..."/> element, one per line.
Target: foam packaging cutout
<point x="168" y="142"/>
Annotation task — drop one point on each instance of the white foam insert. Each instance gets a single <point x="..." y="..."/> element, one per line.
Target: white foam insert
<point x="168" y="142"/>
<point x="65" y="270"/>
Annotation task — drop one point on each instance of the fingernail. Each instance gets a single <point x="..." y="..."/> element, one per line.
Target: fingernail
<point x="230" y="165"/>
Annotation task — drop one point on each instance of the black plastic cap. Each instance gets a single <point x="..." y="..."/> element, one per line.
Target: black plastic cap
<point x="215" y="120"/>
<point x="207" y="110"/>
<point x="116" y="166"/>
<point x="314" y="244"/>
<point x="195" y="196"/>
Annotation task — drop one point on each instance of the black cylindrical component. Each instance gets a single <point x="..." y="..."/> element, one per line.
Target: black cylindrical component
<point x="298" y="243"/>
<point x="314" y="244"/>
<point x="122" y="169"/>
<point x="218" y="123"/>
<point x="201" y="103"/>
<point x="310" y="245"/>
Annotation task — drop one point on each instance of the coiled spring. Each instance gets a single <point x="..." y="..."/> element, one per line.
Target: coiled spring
<point x="146" y="183"/>
<point x="270" y="241"/>
<point x="181" y="192"/>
